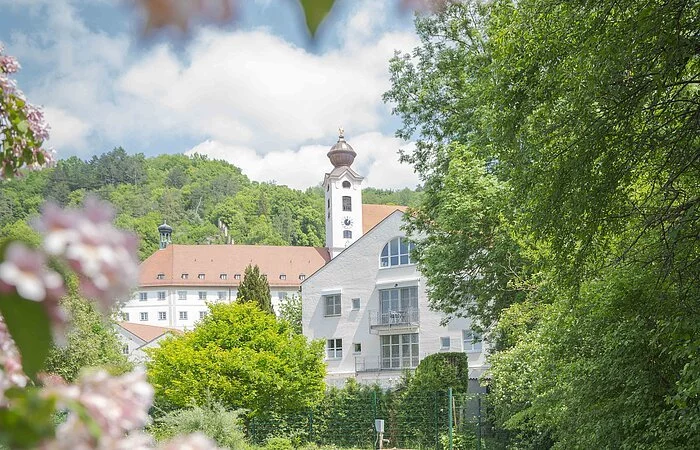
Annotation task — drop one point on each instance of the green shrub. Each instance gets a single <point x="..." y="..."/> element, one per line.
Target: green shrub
<point x="212" y="419"/>
<point x="278" y="443"/>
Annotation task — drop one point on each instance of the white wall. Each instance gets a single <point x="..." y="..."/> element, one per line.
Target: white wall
<point x="334" y="226"/>
<point x="356" y="273"/>
<point x="192" y="305"/>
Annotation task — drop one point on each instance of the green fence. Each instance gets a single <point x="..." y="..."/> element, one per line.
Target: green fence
<point x="438" y="420"/>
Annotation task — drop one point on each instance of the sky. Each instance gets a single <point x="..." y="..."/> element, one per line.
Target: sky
<point x="258" y="93"/>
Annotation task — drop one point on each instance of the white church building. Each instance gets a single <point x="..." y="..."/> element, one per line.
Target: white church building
<point x="361" y="294"/>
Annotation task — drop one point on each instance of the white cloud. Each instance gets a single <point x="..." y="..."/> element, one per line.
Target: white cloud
<point x="248" y="96"/>
<point x="377" y="161"/>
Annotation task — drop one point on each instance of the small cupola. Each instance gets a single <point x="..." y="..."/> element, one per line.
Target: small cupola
<point x="165" y="232"/>
<point x="341" y="154"/>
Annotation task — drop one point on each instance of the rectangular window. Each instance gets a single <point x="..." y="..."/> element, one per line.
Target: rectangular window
<point x="202" y="314"/>
<point x="471" y="341"/>
<point x="200" y="276"/>
<point x="143" y="296"/>
<point x="399" y="351"/>
<point x="221" y="295"/>
<point x="347" y="203"/>
<point x="357" y="348"/>
<point x="355" y="304"/>
<point x="143" y="316"/>
<point x="125" y="349"/>
<point x="125" y="317"/>
<point x="281" y="295"/>
<point x="183" y="315"/>
<point x="182" y="295"/>
<point x="283" y="277"/>
<point x="399" y="305"/>
<point x="162" y="315"/>
<point x="332" y="304"/>
<point x="334" y="348"/>
<point x="347" y="234"/>
<point x="302" y="277"/>
<point x="202" y="295"/>
<point x="445" y="343"/>
<point x="223" y="276"/>
<point x="185" y="276"/>
<point x="237" y="276"/>
<point x="161" y="295"/>
<point x="160" y="276"/>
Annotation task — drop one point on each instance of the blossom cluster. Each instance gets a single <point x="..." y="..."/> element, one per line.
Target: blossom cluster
<point x="11" y="374"/>
<point x="103" y="257"/>
<point x="23" y="129"/>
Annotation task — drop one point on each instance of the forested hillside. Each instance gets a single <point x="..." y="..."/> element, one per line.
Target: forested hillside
<point x="192" y="194"/>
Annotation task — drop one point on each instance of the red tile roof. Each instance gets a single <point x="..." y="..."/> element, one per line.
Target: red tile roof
<point x="184" y="265"/>
<point x="146" y="332"/>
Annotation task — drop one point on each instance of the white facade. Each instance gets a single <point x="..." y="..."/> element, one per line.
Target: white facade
<point x="373" y="314"/>
<point x="343" y="199"/>
<point x="183" y="306"/>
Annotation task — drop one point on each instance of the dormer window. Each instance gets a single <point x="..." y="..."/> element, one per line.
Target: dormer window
<point x="346" y="184"/>
<point x="223" y="276"/>
<point x="237" y="276"/>
<point x="264" y="276"/>
<point x="200" y="276"/>
<point x="185" y="276"/>
<point x="302" y="277"/>
<point x="283" y="277"/>
<point x="160" y="276"/>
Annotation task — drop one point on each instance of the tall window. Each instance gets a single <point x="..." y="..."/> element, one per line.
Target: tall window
<point x="399" y="351"/>
<point x="182" y="295"/>
<point x="143" y="296"/>
<point x="347" y="234"/>
<point x="346" y="184"/>
<point x="332" y="303"/>
<point x="162" y="315"/>
<point x="347" y="203"/>
<point x="202" y="295"/>
<point x="397" y="252"/>
<point x="143" y="316"/>
<point x="161" y="295"/>
<point x="222" y="295"/>
<point x="471" y="341"/>
<point x="334" y="348"/>
<point x="398" y="300"/>
<point x="183" y="315"/>
<point x="202" y="314"/>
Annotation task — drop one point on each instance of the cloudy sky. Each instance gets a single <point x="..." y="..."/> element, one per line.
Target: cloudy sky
<point x="258" y="93"/>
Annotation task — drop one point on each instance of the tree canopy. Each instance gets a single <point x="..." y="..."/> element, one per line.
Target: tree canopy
<point x="242" y="357"/>
<point x="559" y="149"/>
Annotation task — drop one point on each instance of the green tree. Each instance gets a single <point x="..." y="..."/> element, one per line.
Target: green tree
<point x="290" y="310"/>
<point x="558" y="145"/>
<point x="242" y="357"/>
<point x="255" y="289"/>
<point x="90" y="342"/>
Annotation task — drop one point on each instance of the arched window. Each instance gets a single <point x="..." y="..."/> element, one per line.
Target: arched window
<point x="397" y="252"/>
<point x="347" y="203"/>
<point x="347" y="234"/>
<point x="346" y="184"/>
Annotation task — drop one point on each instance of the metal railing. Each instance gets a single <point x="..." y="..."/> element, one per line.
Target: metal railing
<point x="378" y="364"/>
<point x="408" y="317"/>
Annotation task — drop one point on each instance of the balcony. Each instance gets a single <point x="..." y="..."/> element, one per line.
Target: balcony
<point x="378" y="364"/>
<point x="405" y="319"/>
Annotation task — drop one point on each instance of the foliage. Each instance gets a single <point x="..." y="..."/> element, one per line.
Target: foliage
<point x="558" y="146"/>
<point x="90" y="342"/>
<point x="278" y="443"/>
<point x="242" y="357"/>
<point x="212" y="419"/>
<point x="255" y="289"/>
<point x="290" y="310"/>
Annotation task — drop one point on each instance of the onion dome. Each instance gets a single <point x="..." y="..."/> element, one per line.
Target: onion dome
<point x="341" y="154"/>
<point x="165" y="228"/>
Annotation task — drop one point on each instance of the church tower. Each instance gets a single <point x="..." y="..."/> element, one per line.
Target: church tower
<point x="343" y="188"/>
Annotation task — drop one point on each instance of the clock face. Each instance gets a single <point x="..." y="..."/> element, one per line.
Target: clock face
<point x="347" y="222"/>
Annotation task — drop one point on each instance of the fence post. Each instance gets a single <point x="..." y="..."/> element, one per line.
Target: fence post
<point x="478" y="423"/>
<point x="252" y="429"/>
<point x="449" y="418"/>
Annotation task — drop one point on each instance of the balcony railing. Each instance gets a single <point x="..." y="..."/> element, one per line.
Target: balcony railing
<point x="404" y="318"/>
<point x="378" y="364"/>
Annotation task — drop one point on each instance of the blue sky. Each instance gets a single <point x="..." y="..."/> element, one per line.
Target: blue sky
<point x="258" y="92"/>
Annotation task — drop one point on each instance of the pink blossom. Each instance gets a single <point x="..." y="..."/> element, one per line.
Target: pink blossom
<point x="35" y="118"/>
<point x="24" y="271"/>
<point x="9" y="64"/>
<point x="11" y="374"/>
<point x="102" y="256"/>
<point x="194" y="441"/>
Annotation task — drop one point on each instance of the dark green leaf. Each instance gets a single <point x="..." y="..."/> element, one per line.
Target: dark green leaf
<point x="314" y="12"/>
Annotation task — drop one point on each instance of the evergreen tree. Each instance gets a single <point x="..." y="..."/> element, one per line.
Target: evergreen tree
<point x="255" y="289"/>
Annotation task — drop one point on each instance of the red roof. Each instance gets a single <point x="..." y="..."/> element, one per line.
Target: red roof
<point x="146" y="332"/>
<point x="373" y="214"/>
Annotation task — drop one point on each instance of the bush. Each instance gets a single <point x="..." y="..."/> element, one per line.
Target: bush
<point x="212" y="419"/>
<point x="278" y="443"/>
